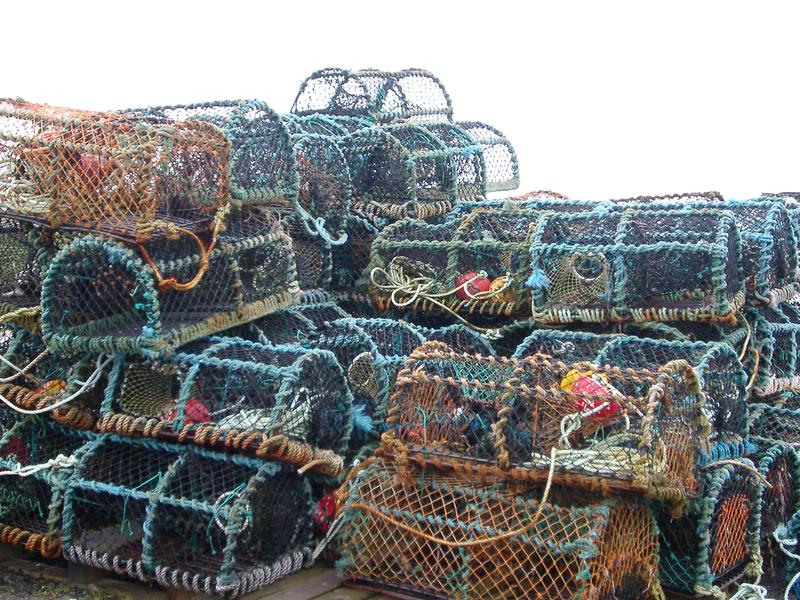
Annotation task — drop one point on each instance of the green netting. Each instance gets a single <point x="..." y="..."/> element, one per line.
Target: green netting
<point x="350" y="260"/>
<point x="450" y="536"/>
<point x="277" y="402"/>
<point x="599" y="427"/>
<point x="101" y="296"/>
<point x="776" y="339"/>
<point x="715" y="545"/>
<point x="312" y="256"/>
<point x="131" y="178"/>
<point x="722" y="377"/>
<point x="637" y="265"/>
<point x="294" y="324"/>
<point x="30" y="507"/>
<point x="376" y="95"/>
<point x="186" y="517"/>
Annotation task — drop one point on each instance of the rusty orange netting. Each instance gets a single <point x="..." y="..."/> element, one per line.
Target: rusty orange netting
<point x="452" y="536"/>
<point x="133" y="179"/>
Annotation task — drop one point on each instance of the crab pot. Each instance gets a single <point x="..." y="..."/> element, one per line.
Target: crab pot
<point x="776" y="339"/>
<point x="185" y="517"/>
<point x="539" y="201"/>
<point x="312" y="256"/>
<point x="637" y="265"/>
<point x="628" y="430"/>
<point x="780" y="465"/>
<point x="350" y="260"/>
<point x="789" y="399"/>
<point x="124" y="177"/>
<point x="381" y="96"/>
<point x="459" y="338"/>
<point x="722" y="377"/>
<point x="293" y="325"/>
<point x="499" y="157"/>
<point x="101" y="296"/>
<point x="30" y="507"/>
<point x="479" y="265"/>
<point x="407" y="170"/>
<point x="450" y="536"/>
<point x="768" y="238"/>
<point x="322" y="124"/>
<point x="777" y="423"/>
<point x="715" y="545"/>
<point x="277" y="402"/>
<point x="262" y="162"/>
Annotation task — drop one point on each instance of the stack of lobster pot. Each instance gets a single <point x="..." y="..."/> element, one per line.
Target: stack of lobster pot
<point x="638" y="334"/>
<point x="137" y="248"/>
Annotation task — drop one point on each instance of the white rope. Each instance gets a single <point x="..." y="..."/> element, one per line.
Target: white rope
<point x="750" y="591"/>
<point x="332" y="531"/>
<point x="22" y="371"/>
<point x="787" y="544"/>
<point x="59" y="462"/>
<point x="84" y="386"/>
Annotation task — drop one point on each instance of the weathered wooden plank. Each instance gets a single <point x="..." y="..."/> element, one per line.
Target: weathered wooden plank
<point x="347" y="593"/>
<point x="310" y="588"/>
<point x="37" y="570"/>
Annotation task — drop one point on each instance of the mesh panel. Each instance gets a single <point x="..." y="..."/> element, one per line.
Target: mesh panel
<point x="30" y="507"/>
<point x="293" y="325"/>
<point x="312" y="255"/>
<point x="272" y="401"/>
<point x="717" y="542"/>
<point x="479" y="265"/>
<point x="186" y="518"/>
<point x="776" y="340"/>
<point x="351" y="259"/>
<point x="638" y="266"/>
<point x="25" y="251"/>
<point x="101" y="296"/>
<point x="434" y="536"/>
<point x="379" y="95"/>
<point x="106" y="172"/>
<point x="775" y="423"/>
<point x="632" y="429"/>
<point x="324" y="124"/>
<point x="499" y="157"/>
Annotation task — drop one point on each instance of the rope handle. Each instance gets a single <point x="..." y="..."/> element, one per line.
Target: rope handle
<point x="171" y="283"/>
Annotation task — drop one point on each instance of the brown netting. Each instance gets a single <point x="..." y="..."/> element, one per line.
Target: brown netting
<point x="446" y="535"/>
<point x="134" y="179"/>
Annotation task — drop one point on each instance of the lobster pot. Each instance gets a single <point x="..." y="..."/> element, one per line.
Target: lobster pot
<point x="24" y="254"/>
<point x="350" y="260"/>
<point x="541" y="201"/>
<point x="715" y="545"/>
<point x="407" y="170"/>
<point x="645" y="265"/>
<point x="101" y="296"/>
<point x="459" y="338"/>
<point x="479" y="265"/>
<point x="185" y="517"/>
<point x="776" y="423"/>
<point x="499" y="157"/>
<point x="788" y="399"/>
<point x="30" y="507"/>
<point x="721" y="375"/>
<point x="133" y="179"/>
<point x="323" y="124"/>
<point x="294" y="324"/>
<point x="312" y="256"/>
<point x="597" y="427"/>
<point x="776" y="338"/>
<point x="780" y="465"/>
<point x="278" y="402"/>
<point x="382" y="96"/>
<point x="325" y="189"/>
<point x="768" y="238"/>
<point x="371" y="352"/>
<point x="261" y="162"/>
<point x="449" y="536"/>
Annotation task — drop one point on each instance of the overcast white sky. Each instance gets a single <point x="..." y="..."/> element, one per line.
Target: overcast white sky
<point x="601" y="99"/>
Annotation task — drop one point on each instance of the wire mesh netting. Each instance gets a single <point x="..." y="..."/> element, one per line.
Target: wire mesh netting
<point x="30" y="507"/>
<point x="101" y="296"/>
<point x="448" y="536"/>
<point x="715" y="545"/>
<point x="125" y="177"/>
<point x="376" y="95"/>
<point x="645" y="265"/>
<point x="407" y="170"/>
<point x="776" y="340"/>
<point x="722" y="377"/>
<point x="277" y="402"/>
<point x="597" y="427"/>
<point x="186" y="517"/>
<point x="479" y="265"/>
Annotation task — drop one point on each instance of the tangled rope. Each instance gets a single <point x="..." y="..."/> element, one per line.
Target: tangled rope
<point x="59" y="462"/>
<point x="415" y="280"/>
